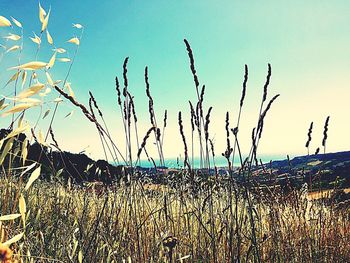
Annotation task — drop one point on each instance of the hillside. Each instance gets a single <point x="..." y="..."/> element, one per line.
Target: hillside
<point x="322" y="170"/>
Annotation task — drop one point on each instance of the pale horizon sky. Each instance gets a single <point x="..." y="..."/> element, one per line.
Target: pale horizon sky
<point x="306" y="42"/>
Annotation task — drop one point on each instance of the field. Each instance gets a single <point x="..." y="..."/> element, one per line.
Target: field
<point x="133" y="224"/>
<point x="324" y="193"/>
<point x="60" y="207"/>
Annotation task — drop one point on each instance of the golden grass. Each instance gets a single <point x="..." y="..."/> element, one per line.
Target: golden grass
<point x="186" y="221"/>
<point x="134" y="221"/>
<point x="314" y="195"/>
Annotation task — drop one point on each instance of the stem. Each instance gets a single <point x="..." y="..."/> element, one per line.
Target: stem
<point x="64" y="83"/>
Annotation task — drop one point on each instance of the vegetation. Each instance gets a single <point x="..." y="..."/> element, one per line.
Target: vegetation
<point x="193" y="215"/>
<point x="138" y="223"/>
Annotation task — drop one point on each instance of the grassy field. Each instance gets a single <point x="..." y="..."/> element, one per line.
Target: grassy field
<point x="324" y="193"/>
<point x="134" y="224"/>
<point x="189" y="217"/>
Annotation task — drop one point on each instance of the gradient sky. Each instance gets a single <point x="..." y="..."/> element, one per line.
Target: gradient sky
<point x="306" y="42"/>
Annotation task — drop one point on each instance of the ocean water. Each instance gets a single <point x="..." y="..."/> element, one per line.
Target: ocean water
<point x="220" y="161"/>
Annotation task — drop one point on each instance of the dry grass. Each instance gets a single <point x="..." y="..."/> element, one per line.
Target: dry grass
<point x="132" y="222"/>
<point x="189" y="218"/>
<point x="324" y="193"/>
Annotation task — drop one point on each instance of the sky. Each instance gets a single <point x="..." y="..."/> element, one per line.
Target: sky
<point x="306" y="42"/>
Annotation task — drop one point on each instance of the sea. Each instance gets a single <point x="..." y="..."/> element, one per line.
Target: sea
<point x="220" y="161"/>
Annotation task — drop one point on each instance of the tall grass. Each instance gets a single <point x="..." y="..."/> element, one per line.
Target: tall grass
<point x="135" y="222"/>
<point x="194" y="215"/>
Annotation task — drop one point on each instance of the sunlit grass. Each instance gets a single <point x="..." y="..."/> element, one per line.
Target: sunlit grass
<point x="131" y="221"/>
<point x="188" y="217"/>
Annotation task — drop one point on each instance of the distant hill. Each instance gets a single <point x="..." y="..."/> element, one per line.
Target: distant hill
<point x="314" y="162"/>
<point x="324" y="170"/>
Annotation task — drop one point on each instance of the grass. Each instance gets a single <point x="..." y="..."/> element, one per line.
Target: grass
<point x="132" y="222"/>
<point x="191" y="217"/>
<point x="325" y="193"/>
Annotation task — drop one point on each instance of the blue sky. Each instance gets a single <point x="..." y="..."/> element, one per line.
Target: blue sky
<point x="306" y="42"/>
